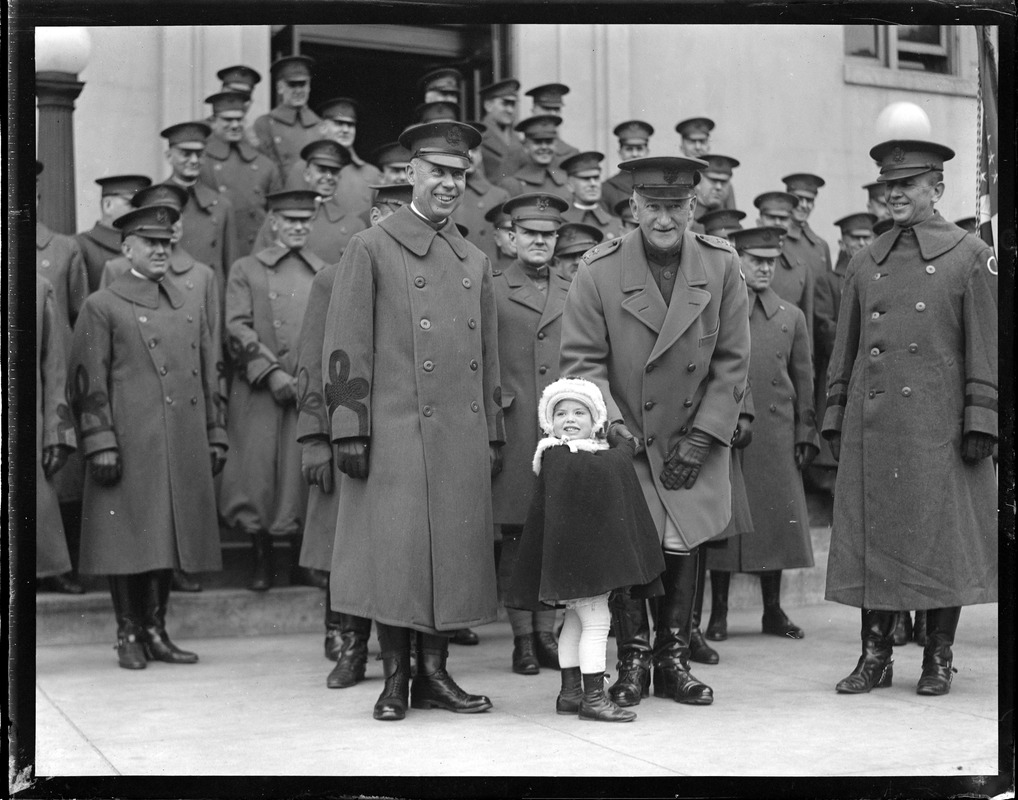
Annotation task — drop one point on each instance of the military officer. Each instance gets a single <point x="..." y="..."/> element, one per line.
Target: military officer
<point x="502" y="228"/>
<point x="722" y="221"/>
<point x="479" y="198"/>
<point x="283" y="132"/>
<point x="672" y="305"/>
<point x="143" y="395"/>
<point x="538" y="172"/>
<point x="433" y="448"/>
<point x="801" y="237"/>
<point x="912" y="419"/>
<point x="583" y="177"/>
<point x="715" y="184"/>
<point x="499" y="142"/>
<point x="695" y="143"/>
<point x="634" y="142"/>
<point x="440" y="84"/>
<point x="392" y="159"/>
<point x="574" y="239"/>
<point x="102" y="242"/>
<point x="624" y="211"/>
<point x="545" y="100"/>
<point x="876" y="202"/>
<point x="235" y="169"/>
<point x="794" y="280"/>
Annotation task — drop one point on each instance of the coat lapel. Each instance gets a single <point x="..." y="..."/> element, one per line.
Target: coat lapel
<point x="522" y="291"/>
<point x="643" y="299"/>
<point x="687" y="302"/>
<point x="558" y="288"/>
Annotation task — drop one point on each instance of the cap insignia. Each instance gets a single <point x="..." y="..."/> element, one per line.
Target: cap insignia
<point x="454" y="136"/>
<point x="670" y="175"/>
<point x="162" y="216"/>
<point x="898" y="155"/>
<point x="542" y="203"/>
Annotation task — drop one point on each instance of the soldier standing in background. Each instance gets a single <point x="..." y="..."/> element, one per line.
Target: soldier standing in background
<point x="538" y="172"/>
<point x="502" y="229"/>
<point x="634" y="142"/>
<point x="440" y="84"/>
<point x="283" y="132"/>
<point x="102" y="242"/>
<point x="574" y="239"/>
<point x="479" y="198"/>
<point x="583" y="176"/>
<point x="794" y="280"/>
<point x="499" y="142"/>
<point x="695" y="143"/>
<point x="715" y="184"/>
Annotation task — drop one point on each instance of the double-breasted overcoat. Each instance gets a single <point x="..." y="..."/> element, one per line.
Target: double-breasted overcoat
<point x="283" y="133"/>
<point x="209" y="229"/>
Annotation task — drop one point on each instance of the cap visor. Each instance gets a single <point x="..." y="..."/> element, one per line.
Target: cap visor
<point x="443" y="160"/>
<point x="665" y="192"/>
<point x="763" y="252"/>
<point x="539" y="225"/>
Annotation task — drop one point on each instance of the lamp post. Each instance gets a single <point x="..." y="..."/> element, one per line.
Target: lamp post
<point x="60" y="54"/>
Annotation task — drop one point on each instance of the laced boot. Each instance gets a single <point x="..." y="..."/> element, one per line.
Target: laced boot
<point x="632" y="637"/>
<point x="352" y="660"/>
<point x="717" y="626"/>
<point x="938" y="658"/>
<point x="568" y="700"/>
<point x="775" y="621"/>
<point x="524" y="658"/>
<point x="262" y="573"/>
<point x="672" y="677"/>
<point x="597" y="705"/>
<point x="395" y="644"/>
<point x="876" y="666"/>
<point x="902" y="628"/>
<point x="699" y="650"/>
<point x="433" y="687"/>
<point x="919" y="629"/>
<point x="130" y="651"/>
<point x="154" y="593"/>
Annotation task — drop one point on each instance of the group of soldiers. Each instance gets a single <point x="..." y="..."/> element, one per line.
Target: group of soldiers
<point x="304" y="345"/>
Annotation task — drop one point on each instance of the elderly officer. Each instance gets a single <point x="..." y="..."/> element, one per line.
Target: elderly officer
<point x="530" y="294"/>
<point x="538" y="173"/>
<point x="235" y="169"/>
<point x="634" y="142"/>
<point x="502" y="230"/>
<point x="794" y="280"/>
<point x="413" y="306"/>
<point x="142" y="390"/>
<point x="102" y="242"/>
<point x="658" y="320"/>
<point x="912" y="418"/>
<point x="574" y="239"/>
<point x="583" y="177"/>
<point x="695" y="143"/>
<point x="283" y="132"/>
<point x="479" y="198"/>
<point x="715" y="184"/>
<point x="499" y="142"/>
<point x="440" y="84"/>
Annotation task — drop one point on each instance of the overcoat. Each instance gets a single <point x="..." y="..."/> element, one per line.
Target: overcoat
<point x="495" y="149"/>
<point x="914" y="368"/>
<point x="827" y="301"/>
<point x="479" y="198"/>
<point x="665" y="369"/>
<point x="209" y="229"/>
<point x="781" y="374"/>
<point x="529" y="331"/>
<point x="795" y="281"/>
<point x="411" y="361"/>
<point x="53" y="426"/>
<point x="533" y="178"/>
<point x="141" y="379"/>
<point x="282" y="134"/>
<point x="608" y="224"/>
<point x="244" y="176"/>
<point x="615" y="189"/>
<point x="331" y="230"/>
<point x="262" y="488"/>
<point x="98" y="245"/>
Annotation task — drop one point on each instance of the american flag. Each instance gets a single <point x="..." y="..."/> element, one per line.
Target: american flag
<point x="988" y="164"/>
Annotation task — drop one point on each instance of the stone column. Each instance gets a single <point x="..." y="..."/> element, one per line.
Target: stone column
<point x="55" y="94"/>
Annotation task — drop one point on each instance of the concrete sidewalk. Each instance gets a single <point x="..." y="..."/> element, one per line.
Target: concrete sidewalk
<point x="259" y="706"/>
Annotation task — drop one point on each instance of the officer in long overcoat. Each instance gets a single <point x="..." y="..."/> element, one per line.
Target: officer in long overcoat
<point x="499" y="142"/>
<point x="142" y="389"/>
<point x="794" y="279"/>
<point x="412" y="387"/>
<point x="101" y="242"/>
<point x="912" y="416"/>
<point x="658" y="320"/>
<point x="290" y="125"/>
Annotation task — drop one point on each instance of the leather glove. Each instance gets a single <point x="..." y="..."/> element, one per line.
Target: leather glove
<point x="835" y="442"/>
<point x="619" y="435"/>
<point x="316" y="464"/>
<point x="804" y="454"/>
<point x="743" y="432"/>
<point x="975" y="446"/>
<point x="218" y="455"/>
<point x="495" y="458"/>
<point x="283" y="387"/>
<point x="105" y="467"/>
<point x="682" y="464"/>
<point x="352" y="456"/>
<point x="53" y="459"/>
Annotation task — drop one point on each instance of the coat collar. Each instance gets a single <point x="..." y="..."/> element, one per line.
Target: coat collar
<point x="291" y="116"/>
<point x="935" y="237"/>
<point x="532" y="173"/>
<point x="333" y="211"/>
<point x="598" y="211"/>
<point x="145" y="292"/>
<point x="558" y="288"/>
<point x="272" y="255"/>
<point x="794" y="231"/>
<point x="181" y="261"/>
<point x="770" y="302"/>
<point x="416" y="235"/>
<point x="199" y="193"/>
<point x="43" y="236"/>
<point x="809" y="233"/>
<point x="522" y="289"/>
<point x="219" y="149"/>
<point x="104" y="236"/>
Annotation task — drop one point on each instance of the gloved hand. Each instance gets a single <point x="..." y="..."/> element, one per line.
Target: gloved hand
<point x="743" y="432"/>
<point x="835" y="443"/>
<point x="495" y="458"/>
<point x="218" y="455"/>
<point x="316" y="464"/>
<point x="975" y="446"/>
<point x="619" y="435"/>
<point x="53" y="459"/>
<point x="804" y="454"/>
<point x="283" y="387"/>
<point x="105" y="467"/>
<point x="683" y="463"/>
<point x="352" y="456"/>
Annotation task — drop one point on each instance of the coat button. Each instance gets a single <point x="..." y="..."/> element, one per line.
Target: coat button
<point x="276" y="323"/>
<point x="875" y="351"/>
<point x="913" y="348"/>
<point x="876" y="276"/>
<point x="142" y="318"/>
<point x="471" y="323"/>
<point x="162" y="370"/>
<point x="273" y="295"/>
<point x="190" y="318"/>
<point x="428" y="411"/>
<point x="872" y="394"/>
<point x="691" y="367"/>
<point x="45" y="262"/>
<point x="650" y="368"/>
<point x="426" y="324"/>
<point x="429" y="366"/>
<point x="650" y="441"/>
<point x="784" y="328"/>
<point x="683" y="430"/>
<point x="930" y="269"/>
<point x="169" y="401"/>
<point x="219" y="166"/>
<point x="473" y="366"/>
<point x="190" y="284"/>
<point x="194" y="371"/>
<point x="474" y="406"/>
<point x="920" y="306"/>
<point x="875" y="315"/>
<point x="152" y="343"/>
<point x="540" y="335"/>
<point x="542" y="369"/>
<point x="466" y="283"/>
<point x="221" y="188"/>
<point x="419" y="282"/>
<point x="649" y="405"/>
<point x="687" y="403"/>
<point x="906" y="392"/>
<point x="194" y="401"/>
<point x="774" y="408"/>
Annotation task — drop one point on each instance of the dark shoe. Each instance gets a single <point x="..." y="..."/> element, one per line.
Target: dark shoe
<point x="129" y="647"/>
<point x="333" y="643"/>
<point x="185" y="582"/>
<point x="633" y="683"/>
<point x="875" y="668"/>
<point x="568" y="700"/>
<point x="938" y="658"/>
<point x="919" y="629"/>
<point x="392" y="702"/>
<point x="547" y="649"/>
<point x="632" y="637"/>
<point x="596" y="705"/>
<point x="775" y="621"/>
<point x="130" y="650"/>
<point x="700" y="651"/>
<point x="717" y="626"/>
<point x="262" y="573"/>
<point x="352" y="660"/>
<point x="464" y="636"/>
<point x="673" y="679"/>
<point x="154" y="591"/>
<point x="433" y="687"/>
<point x="902" y="629"/>
<point x="524" y="658"/>
<point x="61" y="584"/>
<point x="672" y="635"/>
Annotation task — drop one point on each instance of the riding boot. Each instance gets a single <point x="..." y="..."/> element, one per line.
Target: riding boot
<point x="875" y="668"/>
<point x="130" y="651"/>
<point x="632" y="637"/>
<point x="545" y="643"/>
<point x="775" y="621"/>
<point x="395" y="645"/>
<point x="941" y="624"/>
<point x="154" y="594"/>
<point x="262" y="574"/>
<point x="568" y="700"/>
<point x="672" y="677"/>
<point x="433" y="687"/>
<point x="902" y="628"/>
<point x="352" y="660"/>
<point x="699" y="650"/>
<point x="333" y="628"/>
<point x="717" y="627"/>
<point x="304" y="576"/>
<point x="919" y="629"/>
<point x="524" y="657"/>
<point x="597" y="705"/>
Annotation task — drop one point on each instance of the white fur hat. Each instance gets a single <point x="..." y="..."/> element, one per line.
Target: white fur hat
<point x="578" y="389"/>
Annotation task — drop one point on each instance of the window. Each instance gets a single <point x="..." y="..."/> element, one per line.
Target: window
<point x="917" y="57"/>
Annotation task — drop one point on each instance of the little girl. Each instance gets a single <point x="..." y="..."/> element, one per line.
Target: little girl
<point x="588" y="531"/>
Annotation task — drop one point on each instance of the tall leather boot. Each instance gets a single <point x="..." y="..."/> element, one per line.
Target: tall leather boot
<point x="699" y="650"/>
<point x="333" y="629"/>
<point x="632" y="637"/>
<point x="353" y="654"/>
<point x="919" y="629"/>
<point x="304" y="576"/>
<point x="545" y="643"/>
<point x="568" y="700"/>
<point x="938" y="658"/>
<point x="902" y="628"/>
<point x="395" y="645"/>
<point x="875" y="668"/>
<point x="775" y="621"/>
<point x="672" y="677"/>
<point x="717" y="627"/>
<point x="262" y="574"/>
<point x="597" y="705"/>
<point x="130" y="651"/>
<point x="433" y="687"/>
<point x="154" y="592"/>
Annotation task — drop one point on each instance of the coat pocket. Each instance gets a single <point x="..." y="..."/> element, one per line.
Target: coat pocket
<point x="707" y="340"/>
